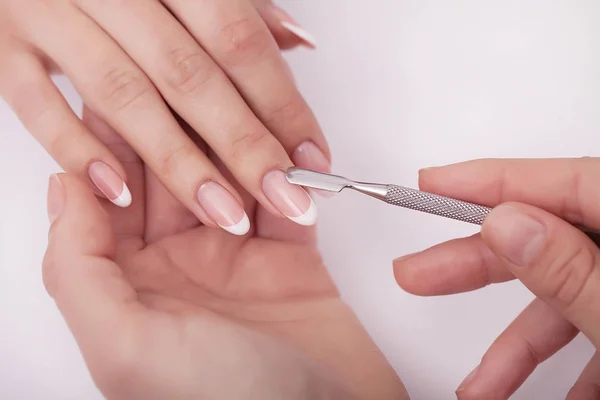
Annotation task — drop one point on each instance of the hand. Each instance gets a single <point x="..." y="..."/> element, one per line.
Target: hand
<point x="137" y="63"/>
<point x="163" y="308"/>
<point x="524" y="237"/>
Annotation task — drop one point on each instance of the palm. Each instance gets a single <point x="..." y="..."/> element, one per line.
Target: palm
<point x="254" y="280"/>
<point x="271" y="282"/>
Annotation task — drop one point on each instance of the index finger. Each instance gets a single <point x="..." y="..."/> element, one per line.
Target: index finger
<point x="566" y="187"/>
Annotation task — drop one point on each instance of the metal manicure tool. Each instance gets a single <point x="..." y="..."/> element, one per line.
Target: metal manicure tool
<point x="401" y="196"/>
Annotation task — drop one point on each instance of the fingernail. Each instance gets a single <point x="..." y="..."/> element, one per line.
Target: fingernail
<point x="309" y="156"/>
<point x="404" y="258"/>
<point x="301" y="33"/>
<point x="291" y="25"/>
<point x="291" y="200"/>
<point x="467" y="380"/>
<point x="110" y="184"/>
<point x="514" y="235"/>
<point x="226" y="211"/>
<point x="56" y="197"/>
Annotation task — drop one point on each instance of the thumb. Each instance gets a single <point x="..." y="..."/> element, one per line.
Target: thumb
<point x="79" y="273"/>
<point x="555" y="260"/>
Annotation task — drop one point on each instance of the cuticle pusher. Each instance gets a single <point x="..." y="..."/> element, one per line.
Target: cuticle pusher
<point x="402" y="197"/>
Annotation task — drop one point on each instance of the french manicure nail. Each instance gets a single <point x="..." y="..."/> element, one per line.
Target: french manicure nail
<point x="291" y="25"/>
<point x="291" y="200"/>
<point x="309" y="156"/>
<point x="227" y="212"/>
<point x="56" y="197"/>
<point x="110" y="184"/>
<point x="301" y="33"/>
<point x="467" y="380"/>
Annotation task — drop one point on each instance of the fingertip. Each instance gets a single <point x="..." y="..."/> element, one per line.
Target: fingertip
<point x="309" y="218"/>
<point x="515" y="233"/>
<point x="286" y="31"/>
<point x="408" y="277"/>
<point x="305" y="37"/>
<point x="426" y="177"/>
<point x="124" y="199"/>
<point x="84" y="225"/>
<point x="240" y="228"/>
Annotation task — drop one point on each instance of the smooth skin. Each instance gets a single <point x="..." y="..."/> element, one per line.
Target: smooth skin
<point x="525" y="237"/>
<point x="142" y="65"/>
<point x="182" y="311"/>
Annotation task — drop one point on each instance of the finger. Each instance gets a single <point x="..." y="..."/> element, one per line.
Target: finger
<point x="118" y="91"/>
<point x="235" y="36"/>
<point x="266" y="225"/>
<point x="45" y="113"/>
<point x="98" y="304"/>
<point x="535" y="335"/>
<point x="166" y="215"/>
<point x="587" y="386"/>
<point x="565" y="187"/>
<point x="190" y="81"/>
<point x="555" y="260"/>
<point x="127" y="223"/>
<point x="455" y="266"/>
<point x="286" y="31"/>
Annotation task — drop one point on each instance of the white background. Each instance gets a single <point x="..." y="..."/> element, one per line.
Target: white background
<point x="398" y="85"/>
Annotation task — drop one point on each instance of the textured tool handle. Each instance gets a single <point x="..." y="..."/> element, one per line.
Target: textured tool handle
<point x="435" y="204"/>
<point x="447" y="207"/>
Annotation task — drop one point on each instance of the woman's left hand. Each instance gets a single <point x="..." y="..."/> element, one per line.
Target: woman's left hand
<point x="525" y="237"/>
<point x="165" y="308"/>
<point x="141" y="65"/>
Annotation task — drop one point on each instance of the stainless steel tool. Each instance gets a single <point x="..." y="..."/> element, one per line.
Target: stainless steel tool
<point x="402" y="196"/>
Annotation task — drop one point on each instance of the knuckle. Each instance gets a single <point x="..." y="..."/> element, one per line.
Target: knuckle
<point x="174" y="157"/>
<point x="247" y="142"/>
<point x="571" y="204"/>
<point x="288" y="113"/>
<point x="577" y="194"/>
<point x="242" y="41"/>
<point x="32" y="101"/>
<point x="187" y="71"/>
<point x="566" y="276"/>
<point x="123" y="87"/>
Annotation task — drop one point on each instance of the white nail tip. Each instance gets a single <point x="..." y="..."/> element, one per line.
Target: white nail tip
<point x="124" y="199"/>
<point x="241" y="228"/>
<point x="309" y="218"/>
<point x="301" y="33"/>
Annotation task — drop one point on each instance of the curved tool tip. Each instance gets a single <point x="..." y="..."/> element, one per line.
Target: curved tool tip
<point x="316" y="180"/>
